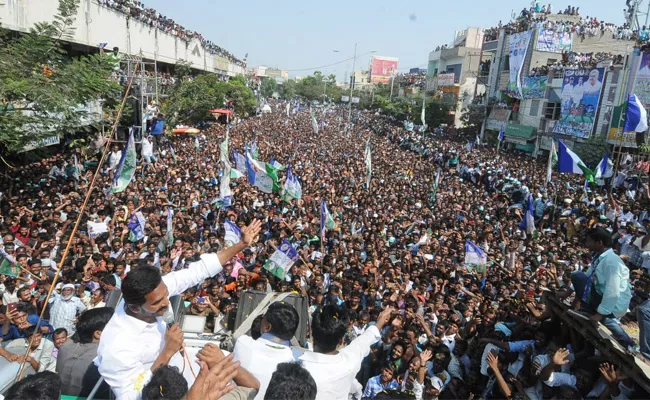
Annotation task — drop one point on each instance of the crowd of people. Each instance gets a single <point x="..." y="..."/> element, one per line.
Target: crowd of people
<point x="148" y="16"/>
<point x="396" y="308"/>
<point x="537" y="18"/>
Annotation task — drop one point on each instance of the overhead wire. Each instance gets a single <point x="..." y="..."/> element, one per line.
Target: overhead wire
<point x="89" y="191"/>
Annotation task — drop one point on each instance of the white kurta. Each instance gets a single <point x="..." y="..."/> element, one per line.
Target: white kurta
<point x="261" y="357"/>
<point x="334" y="374"/>
<point x="128" y="346"/>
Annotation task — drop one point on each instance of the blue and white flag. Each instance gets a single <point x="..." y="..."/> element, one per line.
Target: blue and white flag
<point x="233" y="233"/>
<point x="225" y="194"/>
<point x="281" y="260"/>
<point x="170" y="226"/>
<point x="474" y="255"/>
<point x="275" y="164"/>
<point x="254" y="150"/>
<point x="326" y="220"/>
<point x="368" y="160"/>
<point x="240" y="161"/>
<point x="569" y="162"/>
<point x="262" y="175"/>
<point x="292" y="187"/>
<point x="528" y="223"/>
<point x="126" y="167"/>
<point x="173" y="153"/>
<point x="136" y="225"/>
<point x="605" y="168"/>
<point x="501" y="133"/>
<point x="636" y="118"/>
<point x="314" y="123"/>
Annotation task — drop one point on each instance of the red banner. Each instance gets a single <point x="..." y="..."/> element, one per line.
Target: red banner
<point x="382" y="69"/>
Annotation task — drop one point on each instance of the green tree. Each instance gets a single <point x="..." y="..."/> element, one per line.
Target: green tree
<point x="190" y="102"/>
<point x="42" y="89"/>
<point x="288" y="89"/>
<point x="268" y="87"/>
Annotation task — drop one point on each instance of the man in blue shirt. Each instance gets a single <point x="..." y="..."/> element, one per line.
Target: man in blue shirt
<point x="604" y="290"/>
<point x="157" y="128"/>
<point x="381" y="382"/>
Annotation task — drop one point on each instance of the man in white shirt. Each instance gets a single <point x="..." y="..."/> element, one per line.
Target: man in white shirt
<point x="261" y="357"/>
<point x="147" y="151"/>
<point x="136" y="340"/>
<point x="334" y="370"/>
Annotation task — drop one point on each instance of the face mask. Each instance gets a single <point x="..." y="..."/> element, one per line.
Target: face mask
<point x="46" y="262"/>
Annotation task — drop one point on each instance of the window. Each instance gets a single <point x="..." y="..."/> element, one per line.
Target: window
<point x="551" y="61"/>
<point x="534" y="108"/>
<point x="506" y="64"/>
<point x="552" y="111"/>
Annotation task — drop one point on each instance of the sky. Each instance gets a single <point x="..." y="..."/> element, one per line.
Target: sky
<point x="300" y="35"/>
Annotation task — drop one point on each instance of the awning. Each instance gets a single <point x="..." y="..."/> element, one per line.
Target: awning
<point x="519" y="131"/>
<point x="222" y="111"/>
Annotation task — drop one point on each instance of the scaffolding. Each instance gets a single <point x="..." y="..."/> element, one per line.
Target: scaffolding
<point x="145" y="89"/>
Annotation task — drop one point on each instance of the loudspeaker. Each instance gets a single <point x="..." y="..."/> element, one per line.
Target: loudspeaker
<point x="251" y="298"/>
<point x="177" y="305"/>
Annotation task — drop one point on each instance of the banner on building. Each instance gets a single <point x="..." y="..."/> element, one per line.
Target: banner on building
<point x="383" y="68"/>
<point x="532" y="87"/>
<point x="518" y="49"/>
<point x="446" y="79"/>
<point x="580" y="98"/>
<point x="554" y="42"/>
<point x="498" y="117"/>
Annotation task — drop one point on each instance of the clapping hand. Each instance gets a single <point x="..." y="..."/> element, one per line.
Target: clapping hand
<point x="213" y="383"/>
<point x="250" y="233"/>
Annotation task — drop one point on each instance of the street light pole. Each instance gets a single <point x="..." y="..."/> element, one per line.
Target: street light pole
<point x="354" y="61"/>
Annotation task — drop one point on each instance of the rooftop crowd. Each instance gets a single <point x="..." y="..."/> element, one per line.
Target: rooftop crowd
<point x="148" y="16"/>
<point x="585" y="26"/>
<point x="395" y="310"/>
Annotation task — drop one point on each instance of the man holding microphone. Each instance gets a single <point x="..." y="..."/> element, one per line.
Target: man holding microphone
<point x="137" y="339"/>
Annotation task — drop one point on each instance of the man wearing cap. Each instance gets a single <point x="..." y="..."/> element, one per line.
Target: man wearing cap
<point x="64" y="308"/>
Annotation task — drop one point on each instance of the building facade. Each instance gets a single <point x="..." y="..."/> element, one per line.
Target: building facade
<point x="96" y="23"/>
<point x="453" y="72"/>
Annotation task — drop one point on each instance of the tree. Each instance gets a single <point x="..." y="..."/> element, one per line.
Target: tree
<point x="288" y="89"/>
<point x="42" y="89"/>
<point x="472" y="117"/>
<point x="268" y="87"/>
<point x="191" y="101"/>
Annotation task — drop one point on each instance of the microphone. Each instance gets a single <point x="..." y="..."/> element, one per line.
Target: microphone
<point x="168" y="318"/>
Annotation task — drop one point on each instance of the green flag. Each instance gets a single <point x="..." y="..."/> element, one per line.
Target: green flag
<point x="126" y="167"/>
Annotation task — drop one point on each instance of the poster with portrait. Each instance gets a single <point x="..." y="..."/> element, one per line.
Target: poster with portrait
<point x="581" y="92"/>
<point x="553" y="41"/>
<point x="642" y="80"/>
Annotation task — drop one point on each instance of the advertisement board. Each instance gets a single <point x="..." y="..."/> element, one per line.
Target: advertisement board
<point x="446" y="79"/>
<point x="581" y="90"/>
<point x="498" y="117"/>
<point x="642" y="81"/>
<point x="531" y="88"/>
<point x="382" y="68"/>
<point x="518" y="49"/>
<point x="554" y="42"/>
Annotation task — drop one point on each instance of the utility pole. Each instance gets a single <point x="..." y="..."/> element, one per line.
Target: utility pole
<point x="392" y="81"/>
<point x="354" y="62"/>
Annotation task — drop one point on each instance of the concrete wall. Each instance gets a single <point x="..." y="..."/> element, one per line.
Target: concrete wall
<point x="98" y="24"/>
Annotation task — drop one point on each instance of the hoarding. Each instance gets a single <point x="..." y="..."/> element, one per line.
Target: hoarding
<point x="498" y="117"/>
<point x="446" y="79"/>
<point x="531" y="88"/>
<point x="518" y="49"/>
<point x="554" y="42"/>
<point x="383" y="68"/>
<point x="642" y="81"/>
<point x="580" y="98"/>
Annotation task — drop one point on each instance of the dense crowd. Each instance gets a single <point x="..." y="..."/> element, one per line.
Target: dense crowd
<point x="389" y="286"/>
<point x="148" y="16"/>
<point x="584" y="27"/>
